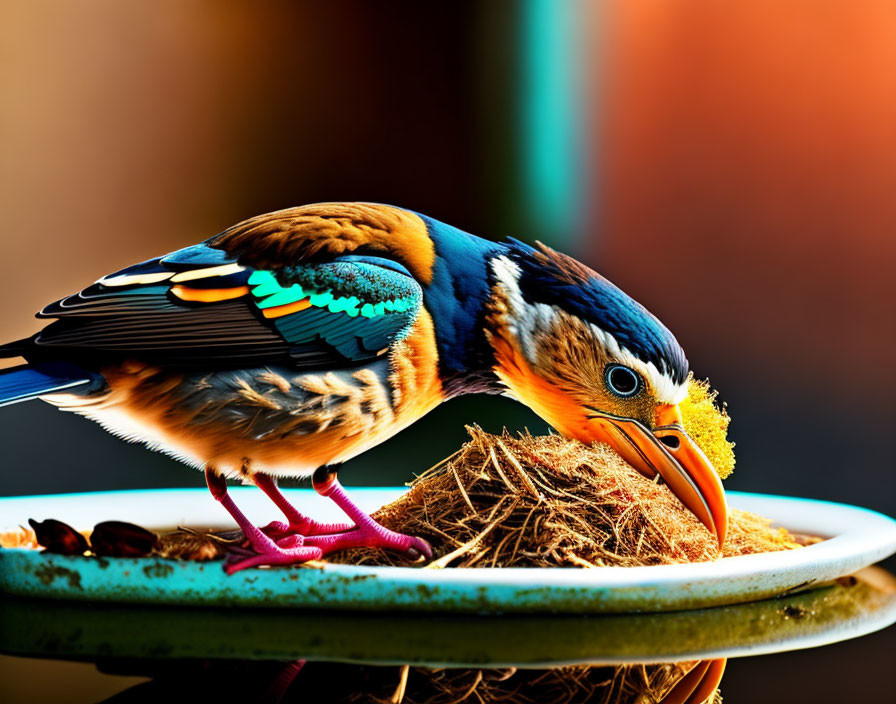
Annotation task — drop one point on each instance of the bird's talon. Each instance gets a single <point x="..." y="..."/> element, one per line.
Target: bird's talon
<point x="374" y="536"/>
<point x="312" y="527"/>
<point x="419" y="547"/>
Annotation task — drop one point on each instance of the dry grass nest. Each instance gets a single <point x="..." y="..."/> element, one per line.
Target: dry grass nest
<point x="524" y="501"/>
<point x="637" y="684"/>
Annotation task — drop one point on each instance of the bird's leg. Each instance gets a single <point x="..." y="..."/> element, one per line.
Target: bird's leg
<point x="268" y="552"/>
<point x="298" y="523"/>
<point x="368" y="532"/>
<point x="277" y="689"/>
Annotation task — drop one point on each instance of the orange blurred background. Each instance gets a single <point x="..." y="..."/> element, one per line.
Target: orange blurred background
<point x="750" y="153"/>
<point x="749" y="175"/>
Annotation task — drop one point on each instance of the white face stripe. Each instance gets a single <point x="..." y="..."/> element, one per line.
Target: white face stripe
<point x="527" y="319"/>
<point x="521" y="325"/>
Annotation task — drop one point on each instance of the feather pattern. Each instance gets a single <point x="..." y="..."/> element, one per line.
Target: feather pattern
<point x="200" y="304"/>
<point x="554" y="279"/>
<point x="325" y="231"/>
<point x="300" y="338"/>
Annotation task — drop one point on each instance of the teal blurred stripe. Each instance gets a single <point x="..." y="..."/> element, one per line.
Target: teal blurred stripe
<point x="551" y="111"/>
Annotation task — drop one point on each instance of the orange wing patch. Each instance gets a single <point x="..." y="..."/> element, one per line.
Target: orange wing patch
<point x="208" y="295"/>
<point x="286" y="308"/>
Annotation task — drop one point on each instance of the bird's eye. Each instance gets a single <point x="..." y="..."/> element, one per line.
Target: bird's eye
<point x="622" y="381"/>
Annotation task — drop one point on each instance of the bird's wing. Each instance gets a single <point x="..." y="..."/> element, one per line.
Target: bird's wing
<point x="200" y="305"/>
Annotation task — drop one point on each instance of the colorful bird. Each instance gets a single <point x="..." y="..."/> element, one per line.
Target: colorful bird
<point x="296" y="340"/>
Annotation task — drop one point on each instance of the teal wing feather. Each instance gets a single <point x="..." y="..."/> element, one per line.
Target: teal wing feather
<point x="356" y="305"/>
<point x="199" y="305"/>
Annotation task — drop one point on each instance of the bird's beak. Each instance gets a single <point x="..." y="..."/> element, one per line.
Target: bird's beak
<point x="670" y="452"/>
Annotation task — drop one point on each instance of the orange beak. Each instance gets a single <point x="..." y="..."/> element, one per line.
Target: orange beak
<point x="670" y="452"/>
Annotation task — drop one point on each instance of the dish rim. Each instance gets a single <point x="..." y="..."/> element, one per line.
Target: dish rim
<point x="858" y="537"/>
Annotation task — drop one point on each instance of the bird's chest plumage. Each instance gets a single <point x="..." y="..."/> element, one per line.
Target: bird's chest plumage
<point x="270" y="419"/>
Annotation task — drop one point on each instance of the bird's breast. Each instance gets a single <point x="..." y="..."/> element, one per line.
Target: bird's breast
<point x="270" y="419"/>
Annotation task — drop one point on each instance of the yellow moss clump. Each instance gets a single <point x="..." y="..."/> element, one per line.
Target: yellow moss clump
<point x="707" y="424"/>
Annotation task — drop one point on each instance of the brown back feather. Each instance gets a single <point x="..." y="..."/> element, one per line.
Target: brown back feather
<point x="567" y="268"/>
<point x="322" y="230"/>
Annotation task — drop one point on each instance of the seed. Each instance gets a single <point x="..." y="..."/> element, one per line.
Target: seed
<point x="120" y="539"/>
<point x="58" y="537"/>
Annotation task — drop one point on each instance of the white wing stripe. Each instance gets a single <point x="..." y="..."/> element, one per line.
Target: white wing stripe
<point x="223" y="270"/>
<point x="132" y="279"/>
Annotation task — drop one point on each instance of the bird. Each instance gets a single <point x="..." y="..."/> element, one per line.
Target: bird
<point x="296" y="340"/>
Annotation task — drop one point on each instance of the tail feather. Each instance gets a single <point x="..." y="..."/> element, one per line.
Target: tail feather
<point x="18" y="348"/>
<point x="33" y="380"/>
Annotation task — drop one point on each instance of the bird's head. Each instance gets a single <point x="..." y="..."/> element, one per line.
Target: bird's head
<point x="599" y="367"/>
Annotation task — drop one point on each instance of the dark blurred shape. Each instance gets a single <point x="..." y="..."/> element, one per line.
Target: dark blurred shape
<point x="671" y="683"/>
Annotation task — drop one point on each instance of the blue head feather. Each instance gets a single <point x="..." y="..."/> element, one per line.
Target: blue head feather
<point x="456" y="299"/>
<point x="554" y="279"/>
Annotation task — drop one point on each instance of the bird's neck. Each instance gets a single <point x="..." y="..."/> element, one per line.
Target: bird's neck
<point x="456" y="299"/>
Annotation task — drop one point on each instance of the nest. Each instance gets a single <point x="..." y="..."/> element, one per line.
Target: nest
<point x="504" y="501"/>
<point x="524" y="501"/>
<point x="636" y="684"/>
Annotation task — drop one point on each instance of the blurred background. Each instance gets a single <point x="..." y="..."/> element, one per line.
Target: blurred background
<point x="730" y="165"/>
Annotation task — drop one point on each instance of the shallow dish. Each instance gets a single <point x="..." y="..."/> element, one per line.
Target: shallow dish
<point x="52" y="628"/>
<point x="856" y="538"/>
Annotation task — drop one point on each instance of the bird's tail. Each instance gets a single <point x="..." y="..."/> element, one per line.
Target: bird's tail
<point x="33" y="380"/>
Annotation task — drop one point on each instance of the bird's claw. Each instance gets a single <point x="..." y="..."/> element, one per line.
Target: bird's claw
<point x="419" y="547"/>
<point x="281" y="534"/>
<point x="294" y="548"/>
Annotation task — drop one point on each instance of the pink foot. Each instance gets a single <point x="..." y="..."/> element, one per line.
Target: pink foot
<point x="297" y="523"/>
<point x="368" y="533"/>
<point x="372" y="536"/>
<point x="264" y="550"/>
<point x="280" y="529"/>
